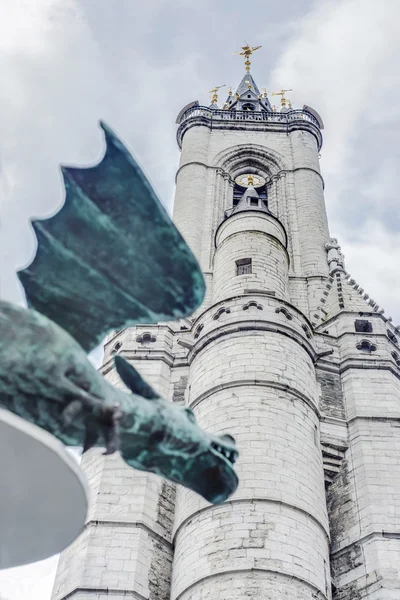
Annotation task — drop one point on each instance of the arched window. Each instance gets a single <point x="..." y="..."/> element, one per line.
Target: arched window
<point x="116" y="348"/>
<point x="248" y="106"/>
<point x="146" y="338"/>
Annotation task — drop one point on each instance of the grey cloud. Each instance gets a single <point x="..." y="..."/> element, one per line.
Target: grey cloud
<point x="133" y="65"/>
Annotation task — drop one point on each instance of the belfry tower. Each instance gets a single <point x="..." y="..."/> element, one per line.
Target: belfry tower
<point x="290" y="356"/>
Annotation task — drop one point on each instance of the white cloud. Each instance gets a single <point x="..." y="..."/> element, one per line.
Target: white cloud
<point x="49" y="102"/>
<point x="57" y="83"/>
<point x="376" y="266"/>
<point x="31" y="582"/>
<point x="343" y="61"/>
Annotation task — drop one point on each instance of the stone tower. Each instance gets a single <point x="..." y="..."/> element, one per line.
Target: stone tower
<point x="290" y="356"/>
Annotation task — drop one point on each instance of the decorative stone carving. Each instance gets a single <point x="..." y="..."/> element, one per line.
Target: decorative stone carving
<point x="392" y="337"/>
<point x="146" y="338"/>
<point x="335" y="256"/>
<point x="199" y="329"/>
<point x="307" y="331"/>
<point x="366" y="346"/>
<point x="220" y="312"/>
<point x="396" y="358"/>
<point x="284" y="311"/>
<point x="252" y="304"/>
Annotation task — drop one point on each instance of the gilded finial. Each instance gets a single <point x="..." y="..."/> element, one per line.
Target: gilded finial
<point x="214" y="92"/>
<point x="230" y="90"/>
<point x="282" y="94"/>
<point x="248" y="85"/>
<point x="247" y="51"/>
<point x="265" y="92"/>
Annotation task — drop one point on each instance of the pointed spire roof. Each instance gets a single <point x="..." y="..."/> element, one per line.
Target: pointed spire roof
<point x="250" y="201"/>
<point x="342" y="293"/>
<point x="247" y="93"/>
<point x="247" y="81"/>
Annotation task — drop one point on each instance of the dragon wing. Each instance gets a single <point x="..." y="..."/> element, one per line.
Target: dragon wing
<point x="111" y="257"/>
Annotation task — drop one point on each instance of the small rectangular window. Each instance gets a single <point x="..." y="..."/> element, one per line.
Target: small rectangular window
<point x="243" y="266"/>
<point x="363" y="326"/>
<point x="253" y="201"/>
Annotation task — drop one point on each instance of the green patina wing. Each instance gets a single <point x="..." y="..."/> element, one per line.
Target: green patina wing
<point x="111" y="257"/>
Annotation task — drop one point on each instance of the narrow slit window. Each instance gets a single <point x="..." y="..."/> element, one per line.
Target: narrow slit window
<point x="243" y="266"/>
<point x="316" y="440"/>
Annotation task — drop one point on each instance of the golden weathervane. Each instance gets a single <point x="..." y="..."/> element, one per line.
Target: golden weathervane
<point x="283" y="99"/>
<point x="214" y="92"/>
<point x="247" y="51"/>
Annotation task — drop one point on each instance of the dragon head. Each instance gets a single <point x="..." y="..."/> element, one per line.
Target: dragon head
<point x="161" y="437"/>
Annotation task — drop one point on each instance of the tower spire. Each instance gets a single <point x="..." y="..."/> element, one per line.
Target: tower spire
<point x="248" y="96"/>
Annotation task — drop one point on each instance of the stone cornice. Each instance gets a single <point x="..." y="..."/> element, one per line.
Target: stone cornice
<point x="246" y="297"/>
<point x="391" y="535"/>
<point x="102" y="590"/>
<point x="291" y="391"/>
<point x="132" y="524"/>
<point x="251" y="325"/>
<point x="268" y="181"/>
<point x="320" y="595"/>
<point x="293" y="120"/>
<point x="252" y="500"/>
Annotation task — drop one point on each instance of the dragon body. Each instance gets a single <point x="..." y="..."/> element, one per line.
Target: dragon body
<point x="110" y="258"/>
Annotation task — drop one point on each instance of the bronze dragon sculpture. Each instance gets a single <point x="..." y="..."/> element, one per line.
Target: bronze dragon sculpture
<point x="110" y="258"/>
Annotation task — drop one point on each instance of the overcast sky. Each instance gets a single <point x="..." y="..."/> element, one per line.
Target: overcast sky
<point x="64" y="64"/>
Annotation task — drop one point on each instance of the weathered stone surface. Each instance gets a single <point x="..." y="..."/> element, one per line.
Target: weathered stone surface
<point x="331" y="403"/>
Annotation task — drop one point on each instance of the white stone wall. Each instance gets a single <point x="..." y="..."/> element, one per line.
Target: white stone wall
<point x="275" y="526"/>
<point x="252" y="375"/>
<point x="126" y="547"/>
<point x="259" y="238"/>
<point x="191" y="188"/>
<point x="366" y="496"/>
<point x="312" y="220"/>
<point x="210" y="161"/>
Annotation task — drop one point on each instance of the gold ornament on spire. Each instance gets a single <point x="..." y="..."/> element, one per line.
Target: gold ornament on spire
<point x="214" y="92"/>
<point x="283" y="99"/>
<point x="265" y="92"/>
<point x="247" y="51"/>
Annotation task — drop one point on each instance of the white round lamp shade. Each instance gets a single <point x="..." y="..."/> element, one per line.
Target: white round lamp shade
<point x="43" y="493"/>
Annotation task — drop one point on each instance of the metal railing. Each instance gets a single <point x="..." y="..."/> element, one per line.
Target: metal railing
<point x="248" y="115"/>
<point x="204" y="112"/>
